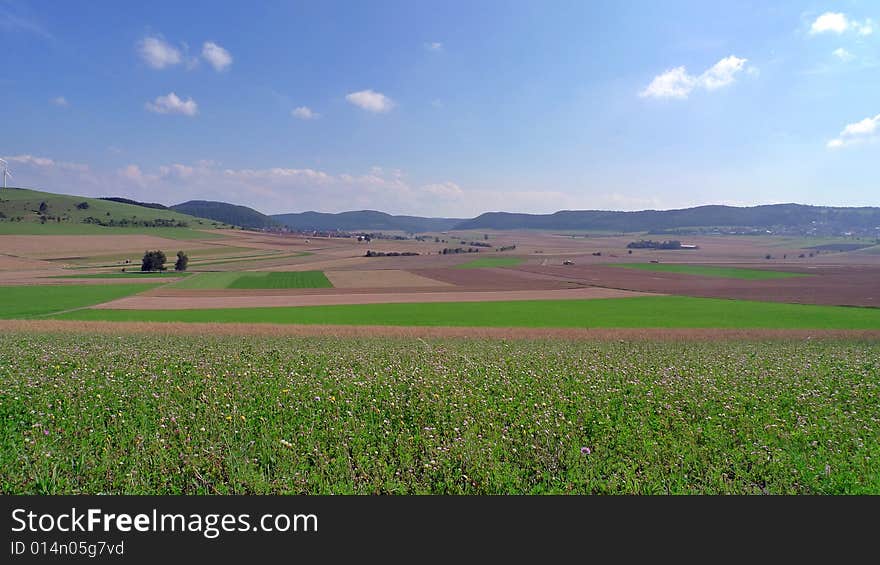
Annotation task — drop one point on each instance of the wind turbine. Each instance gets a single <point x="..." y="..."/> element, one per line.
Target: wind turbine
<point x="6" y="171"/>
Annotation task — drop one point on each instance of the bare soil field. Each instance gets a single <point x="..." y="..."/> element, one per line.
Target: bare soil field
<point x="844" y="286"/>
<point x="63" y="246"/>
<point x="247" y="299"/>
<point x="386" y="278"/>
<point x="608" y="334"/>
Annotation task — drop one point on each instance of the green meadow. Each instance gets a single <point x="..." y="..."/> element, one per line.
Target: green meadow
<point x="710" y="271"/>
<point x="90" y="414"/>
<point x="639" y="312"/>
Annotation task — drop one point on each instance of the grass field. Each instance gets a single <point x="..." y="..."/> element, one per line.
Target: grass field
<point x="209" y="415"/>
<point x="33" y="301"/>
<point x="640" y="312"/>
<point x="127" y="275"/>
<point x="710" y="271"/>
<point x="254" y="280"/>
<point x="490" y="262"/>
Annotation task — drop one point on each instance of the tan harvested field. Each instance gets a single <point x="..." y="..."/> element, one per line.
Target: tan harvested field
<point x="245" y="299"/>
<point x="388" y="278"/>
<point x="76" y="246"/>
<point x="616" y="334"/>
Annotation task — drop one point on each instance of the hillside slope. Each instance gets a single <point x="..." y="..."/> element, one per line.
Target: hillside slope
<point x="46" y="211"/>
<point x="227" y="213"/>
<point x="821" y="219"/>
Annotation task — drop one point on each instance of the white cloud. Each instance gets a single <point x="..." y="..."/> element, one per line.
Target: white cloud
<point x="46" y="163"/>
<point x="857" y="132"/>
<point x="304" y="113"/>
<point x="157" y="53"/>
<point x="371" y="101"/>
<point x="674" y="83"/>
<point x="60" y="101"/>
<point x="434" y="46"/>
<point x="721" y="73"/>
<point x="218" y="57"/>
<point x="864" y="28"/>
<point x="843" y="54"/>
<point x="678" y="83"/>
<point x="171" y="104"/>
<point x="833" y="22"/>
<point x="836" y="22"/>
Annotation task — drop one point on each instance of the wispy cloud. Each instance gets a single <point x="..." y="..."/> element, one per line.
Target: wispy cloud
<point x="217" y="56"/>
<point x="678" y="83"/>
<point x="172" y="104"/>
<point x="304" y="113"/>
<point x="434" y="46"/>
<point x="60" y="101"/>
<point x="856" y="133"/>
<point x="10" y="22"/>
<point x="158" y="53"/>
<point x="371" y="101"/>
<point x="843" y="54"/>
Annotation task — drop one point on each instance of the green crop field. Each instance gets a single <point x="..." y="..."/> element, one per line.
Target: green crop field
<point x="246" y="415"/>
<point x="255" y="280"/>
<point x="33" y="301"/>
<point x="640" y="312"/>
<point x="710" y="271"/>
<point x="485" y="262"/>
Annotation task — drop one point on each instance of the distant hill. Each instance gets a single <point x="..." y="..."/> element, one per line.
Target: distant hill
<point x="227" y="213"/>
<point x="365" y="220"/>
<point x="20" y="207"/>
<point x="122" y="200"/>
<point x="796" y="216"/>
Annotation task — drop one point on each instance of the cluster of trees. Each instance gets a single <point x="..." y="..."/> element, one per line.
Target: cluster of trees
<point x="155" y="261"/>
<point x="390" y="253"/>
<point x="476" y="243"/>
<point x="649" y="244"/>
<point x="125" y="222"/>
<point x="454" y="250"/>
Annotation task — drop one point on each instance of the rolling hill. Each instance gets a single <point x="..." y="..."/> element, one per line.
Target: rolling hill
<point x="364" y="220"/>
<point x="24" y="211"/>
<point x="227" y="213"/>
<point x="797" y="216"/>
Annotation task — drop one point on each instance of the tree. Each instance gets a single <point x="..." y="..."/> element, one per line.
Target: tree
<point x="153" y="261"/>
<point x="182" y="261"/>
<point x="43" y="207"/>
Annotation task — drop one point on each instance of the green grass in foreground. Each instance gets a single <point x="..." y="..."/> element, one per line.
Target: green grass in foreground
<point x="709" y="271"/>
<point x="640" y="312"/>
<point x="31" y="301"/>
<point x="486" y="262"/>
<point x="256" y="280"/>
<point x="127" y="275"/>
<point x="260" y="415"/>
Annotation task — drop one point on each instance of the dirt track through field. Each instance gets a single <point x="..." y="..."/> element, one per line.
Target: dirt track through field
<point x="245" y="300"/>
<point x="282" y="330"/>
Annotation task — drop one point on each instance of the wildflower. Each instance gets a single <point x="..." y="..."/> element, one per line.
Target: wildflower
<point x="586" y="450"/>
<point x="286" y="443"/>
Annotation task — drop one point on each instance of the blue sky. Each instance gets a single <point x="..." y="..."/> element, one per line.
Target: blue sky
<point x="445" y="108"/>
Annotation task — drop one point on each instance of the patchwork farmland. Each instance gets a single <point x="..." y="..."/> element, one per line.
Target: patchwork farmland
<point x="279" y="363"/>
